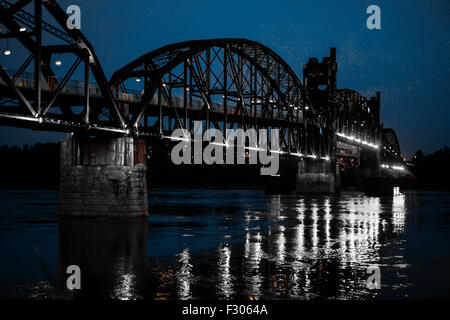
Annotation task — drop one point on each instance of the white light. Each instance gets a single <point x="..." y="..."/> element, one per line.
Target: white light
<point x="297" y="154"/>
<point x="357" y="140"/>
<point x="58" y="62"/>
<point x="306" y="108"/>
<point x="312" y="156"/>
<point x="7" y="52"/>
<point x="138" y="79"/>
<point x="400" y="168"/>
<point x="220" y="144"/>
<point x="325" y="158"/>
<point x="23" y="29"/>
<point x="177" y="138"/>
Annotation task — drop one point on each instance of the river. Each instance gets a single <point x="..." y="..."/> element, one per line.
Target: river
<point x="228" y="244"/>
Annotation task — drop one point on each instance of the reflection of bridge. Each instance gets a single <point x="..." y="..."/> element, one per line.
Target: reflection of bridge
<point x="291" y="248"/>
<point x="225" y="83"/>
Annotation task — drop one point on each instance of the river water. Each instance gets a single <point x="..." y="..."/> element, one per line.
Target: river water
<point x="227" y="244"/>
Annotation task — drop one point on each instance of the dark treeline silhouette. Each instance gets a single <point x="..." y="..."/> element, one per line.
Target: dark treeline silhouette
<point x="34" y="166"/>
<point x="37" y="166"/>
<point x="433" y="170"/>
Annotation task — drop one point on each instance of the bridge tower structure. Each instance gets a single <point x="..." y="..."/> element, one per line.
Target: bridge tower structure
<point x="354" y="119"/>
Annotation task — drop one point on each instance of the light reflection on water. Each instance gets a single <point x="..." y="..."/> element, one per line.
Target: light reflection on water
<point x="242" y="244"/>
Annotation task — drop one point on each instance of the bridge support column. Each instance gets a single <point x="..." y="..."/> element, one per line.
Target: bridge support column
<point x="103" y="177"/>
<point x="315" y="176"/>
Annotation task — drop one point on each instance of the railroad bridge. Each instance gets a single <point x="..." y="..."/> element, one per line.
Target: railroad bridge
<point x="331" y="136"/>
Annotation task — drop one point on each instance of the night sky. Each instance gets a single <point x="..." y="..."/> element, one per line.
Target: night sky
<point x="407" y="60"/>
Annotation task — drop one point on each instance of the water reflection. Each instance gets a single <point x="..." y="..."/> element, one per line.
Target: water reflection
<point x="318" y="246"/>
<point x="184" y="275"/>
<point x="110" y="254"/>
<point x="283" y="248"/>
<point x="225" y="279"/>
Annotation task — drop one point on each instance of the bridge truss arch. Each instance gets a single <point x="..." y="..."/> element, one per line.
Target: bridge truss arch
<point x="39" y="99"/>
<point x="391" y="152"/>
<point x="226" y="83"/>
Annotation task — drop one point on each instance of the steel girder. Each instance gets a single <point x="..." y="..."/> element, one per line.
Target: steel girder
<point x="391" y="152"/>
<point x="45" y="92"/>
<point x="353" y="116"/>
<point x="238" y="82"/>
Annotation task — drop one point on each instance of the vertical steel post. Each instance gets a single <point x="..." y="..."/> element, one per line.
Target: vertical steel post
<point x="86" y="89"/>
<point x="37" y="55"/>
<point x="185" y="94"/>
<point x="225" y="88"/>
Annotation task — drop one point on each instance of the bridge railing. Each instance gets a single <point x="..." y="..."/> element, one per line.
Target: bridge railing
<point x="75" y="87"/>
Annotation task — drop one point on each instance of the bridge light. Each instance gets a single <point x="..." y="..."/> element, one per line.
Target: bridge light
<point x="306" y="108"/>
<point x="138" y="79"/>
<point x="297" y="154"/>
<point x="164" y="84"/>
<point x="58" y="62"/>
<point x="22" y="29"/>
<point x="7" y="52"/>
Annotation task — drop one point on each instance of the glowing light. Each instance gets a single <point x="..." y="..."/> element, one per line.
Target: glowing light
<point x="7" y="52"/>
<point x="297" y="154"/>
<point x="220" y="144"/>
<point x="138" y="79"/>
<point x="58" y="62"/>
<point x="357" y="140"/>
<point x="23" y="29"/>
<point x="400" y="168"/>
<point x="177" y="138"/>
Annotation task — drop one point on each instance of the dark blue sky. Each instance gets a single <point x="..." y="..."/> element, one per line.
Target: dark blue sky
<point x="407" y="60"/>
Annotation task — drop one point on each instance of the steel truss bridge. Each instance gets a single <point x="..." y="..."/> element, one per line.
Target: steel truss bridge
<point x="225" y="83"/>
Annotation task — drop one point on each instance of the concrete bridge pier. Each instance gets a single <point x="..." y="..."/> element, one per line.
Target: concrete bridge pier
<point x="315" y="176"/>
<point x="369" y="178"/>
<point x="103" y="178"/>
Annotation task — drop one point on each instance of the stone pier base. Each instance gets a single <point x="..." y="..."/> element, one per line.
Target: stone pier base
<point x="103" y="178"/>
<point x="315" y="177"/>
